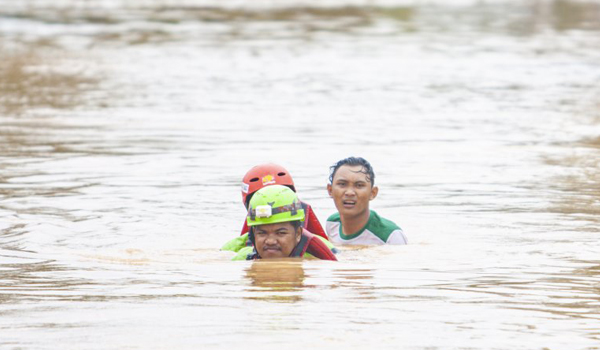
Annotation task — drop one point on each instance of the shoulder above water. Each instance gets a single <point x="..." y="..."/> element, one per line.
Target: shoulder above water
<point x="377" y="231"/>
<point x="334" y="217"/>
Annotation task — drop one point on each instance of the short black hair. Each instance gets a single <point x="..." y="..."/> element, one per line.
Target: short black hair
<point x="297" y="223"/>
<point x="367" y="169"/>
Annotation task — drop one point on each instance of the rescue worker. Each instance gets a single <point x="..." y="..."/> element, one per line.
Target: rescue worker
<point x="259" y="177"/>
<point x="275" y="218"/>
<point x="273" y="174"/>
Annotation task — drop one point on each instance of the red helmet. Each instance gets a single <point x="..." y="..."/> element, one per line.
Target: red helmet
<point x="264" y="175"/>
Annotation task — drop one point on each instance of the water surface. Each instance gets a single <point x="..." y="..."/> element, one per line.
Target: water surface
<point x="126" y="127"/>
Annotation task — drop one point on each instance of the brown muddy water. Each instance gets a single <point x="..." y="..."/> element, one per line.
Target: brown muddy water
<point x="126" y="127"/>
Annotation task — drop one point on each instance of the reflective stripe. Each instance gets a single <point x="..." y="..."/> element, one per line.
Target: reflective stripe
<point x="283" y="209"/>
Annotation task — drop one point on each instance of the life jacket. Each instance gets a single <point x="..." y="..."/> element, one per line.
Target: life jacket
<point x="309" y="245"/>
<point x="311" y="223"/>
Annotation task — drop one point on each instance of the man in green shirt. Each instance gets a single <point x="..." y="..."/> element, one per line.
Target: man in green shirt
<point x="352" y="187"/>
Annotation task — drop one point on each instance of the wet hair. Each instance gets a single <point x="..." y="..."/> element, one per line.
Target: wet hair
<point x="367" y="169"/>
<point x="297" y="223"/>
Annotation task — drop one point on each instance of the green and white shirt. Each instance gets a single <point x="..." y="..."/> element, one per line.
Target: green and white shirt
<point x="377" y="231"/>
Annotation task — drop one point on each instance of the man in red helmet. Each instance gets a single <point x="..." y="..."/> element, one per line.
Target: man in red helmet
<point x="273" y="174"/>
<point x="265" y="175"/>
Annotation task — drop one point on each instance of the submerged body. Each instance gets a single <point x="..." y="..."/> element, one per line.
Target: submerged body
<point x="245" y="250"/>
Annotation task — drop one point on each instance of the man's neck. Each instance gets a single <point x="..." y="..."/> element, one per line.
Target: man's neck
<point x="351" y="225"/>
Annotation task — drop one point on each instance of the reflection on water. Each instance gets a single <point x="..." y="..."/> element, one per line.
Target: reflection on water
<point x="276" y="280"/>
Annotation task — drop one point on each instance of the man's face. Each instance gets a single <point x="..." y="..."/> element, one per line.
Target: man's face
<point x="276" y="240"/>
<point x="351" y="191"/>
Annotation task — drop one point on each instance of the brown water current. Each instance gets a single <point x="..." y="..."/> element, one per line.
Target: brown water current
<point x="126" y="127"/>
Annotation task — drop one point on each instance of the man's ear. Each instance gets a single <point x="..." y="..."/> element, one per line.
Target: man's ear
<point x="374" y="192"/>
<point x="329" y="190"/>
<point x="298" y="234"/>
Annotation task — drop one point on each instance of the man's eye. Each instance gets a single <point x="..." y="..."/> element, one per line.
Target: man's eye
<point x="281" y="233"/>
<point x="260" y="233"/>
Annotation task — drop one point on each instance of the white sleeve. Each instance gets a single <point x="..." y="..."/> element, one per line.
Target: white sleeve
<point x="397" y="237"/>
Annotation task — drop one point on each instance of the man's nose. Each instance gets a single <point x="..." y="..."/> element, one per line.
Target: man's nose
<point x="350" y="191"/>
<point x="270" y="240"/>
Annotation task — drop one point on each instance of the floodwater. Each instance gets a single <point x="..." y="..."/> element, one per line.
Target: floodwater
<point x="126" y="127"/>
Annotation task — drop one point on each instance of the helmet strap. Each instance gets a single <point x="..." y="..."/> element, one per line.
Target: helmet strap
<point x="251" y="236"/>
<point x="301" y="247"/>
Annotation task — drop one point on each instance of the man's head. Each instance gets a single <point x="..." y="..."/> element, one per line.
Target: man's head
<point x="352" y="186"/>
<point x="264" y="175"/>
<point x="275" y="218"/>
